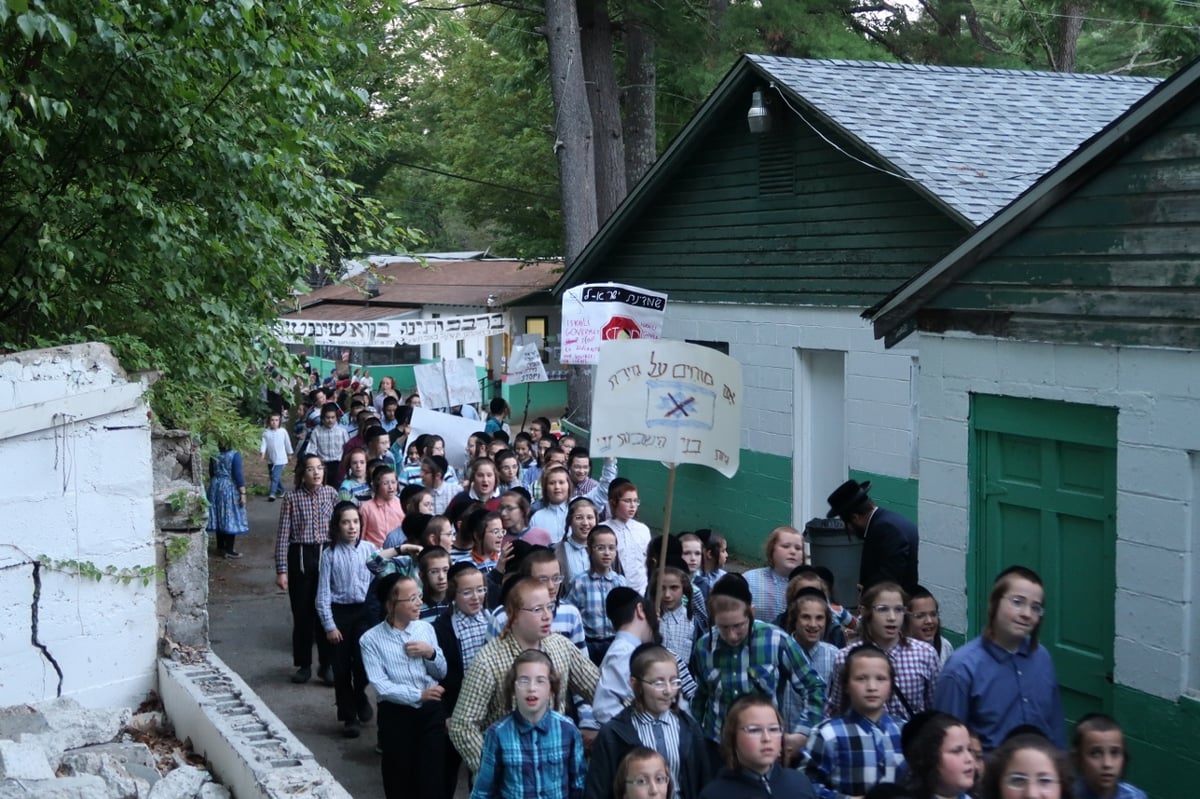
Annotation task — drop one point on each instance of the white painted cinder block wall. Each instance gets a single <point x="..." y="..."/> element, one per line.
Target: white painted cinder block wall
<point x="75" y="490"/>
<point x="880" y="397"/>
<point x="1157" y="394"/>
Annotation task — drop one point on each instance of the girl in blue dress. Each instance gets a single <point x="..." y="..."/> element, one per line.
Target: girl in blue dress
<point x="226" y="500"/>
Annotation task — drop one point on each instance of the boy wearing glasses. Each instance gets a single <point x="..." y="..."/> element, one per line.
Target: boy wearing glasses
<point x="404" y="664"/>
<point x="1004" y="678"/>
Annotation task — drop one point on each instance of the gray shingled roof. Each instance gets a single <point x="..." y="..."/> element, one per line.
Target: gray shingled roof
<point x="976" y="138"/>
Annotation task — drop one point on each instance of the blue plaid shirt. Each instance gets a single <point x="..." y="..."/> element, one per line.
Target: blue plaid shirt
<point x="588" y="592"/>
<point x="768" y="662"/>
<point x="849" y="755"/>
<point x="531" y="761"/>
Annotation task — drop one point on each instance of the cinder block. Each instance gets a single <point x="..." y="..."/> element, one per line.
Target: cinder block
<point x="970" y="358"/>
<point x="943" y="440"/>
<point x="1155" y="521"/>
<point x="1157" y="471"/>
<point x="1025" y="362"/>
<point x="1176" y="423"/>
<point x="1147" y="669"/>
<point x="1086" y="367"/>
<point x="1152" y="571"/>
<point x="1155" y="623"/>
<point x="1171" y="373"/>
<point x="883" y="415"/>
<point x="947" y="525"/>
<point x="876" y="364"/>
<point x="944" y="482"/>
<point x="824" y="338"/>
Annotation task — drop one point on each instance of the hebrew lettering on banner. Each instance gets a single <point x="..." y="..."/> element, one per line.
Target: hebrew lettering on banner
<point x="386" y="334"/>
<point x="598" y="312"/>
<point x="667" y="401"/>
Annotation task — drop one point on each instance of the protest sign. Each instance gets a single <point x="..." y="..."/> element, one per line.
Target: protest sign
<point x="667" y="401"/>
<point x="389" y="332"/>
<point x="447" y="383"/>
<point x="454" y="430"/>
<point x="525" y="362"/>
<point x="598" y="312"/>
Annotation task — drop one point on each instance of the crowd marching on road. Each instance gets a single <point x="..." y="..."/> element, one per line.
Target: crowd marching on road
<point x="522" y="638"/>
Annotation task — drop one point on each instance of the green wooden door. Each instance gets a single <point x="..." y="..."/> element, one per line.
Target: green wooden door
<point x="1044" y="496"/>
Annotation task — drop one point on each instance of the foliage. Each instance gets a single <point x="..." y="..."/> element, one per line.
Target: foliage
<point x="194" y="504"/>
<point x="172" y="169"/>
<point x="87" y="570"/>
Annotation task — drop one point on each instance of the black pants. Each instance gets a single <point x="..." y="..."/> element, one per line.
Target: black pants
<point x="225" y="542"/>
<point x="349" y="676"/>
<point x="413" y="741"/>
<point x="303" y="562"/>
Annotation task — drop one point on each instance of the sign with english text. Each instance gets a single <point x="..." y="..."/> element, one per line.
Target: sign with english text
<point x="597" y="312"/>
<point x="667" y="401"/>
<point x="525" y="362"/>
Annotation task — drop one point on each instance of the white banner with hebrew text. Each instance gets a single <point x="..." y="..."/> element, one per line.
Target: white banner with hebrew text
<point x="389" y="332"/>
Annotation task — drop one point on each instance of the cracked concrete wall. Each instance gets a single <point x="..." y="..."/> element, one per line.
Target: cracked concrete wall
<point x="181" y="541"/>
<point x="78" y="487"/>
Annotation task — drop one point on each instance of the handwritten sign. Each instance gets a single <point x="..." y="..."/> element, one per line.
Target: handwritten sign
<point x="391" y="332"/>
<point x="454" y="430"/>
<point x="525" y="363"/>
<point x="598" y="312"/>
<point x="447" y="383"/>
<point x="667" y="401"/>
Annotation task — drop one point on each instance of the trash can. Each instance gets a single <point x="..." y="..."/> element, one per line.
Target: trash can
<point x="839" y="550"/>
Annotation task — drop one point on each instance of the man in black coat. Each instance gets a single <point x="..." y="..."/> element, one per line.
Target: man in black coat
<point x="890" y="541"/>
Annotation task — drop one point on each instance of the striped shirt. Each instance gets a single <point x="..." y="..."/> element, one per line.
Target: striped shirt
<point x="678" y="632"/>
<point x="394" y="675"/>
<point x="521" y="760"/>
<point x="848" y="756"/>
<point x="769" y="591"/>
<point x="588" y="593"/>
<point x="352" y="491"/>
<point x="343" y="579"/>
<point x="916" y="665"/>
<point x="442" y="496"/>
<point x="431" y="610"/>
<point x="303" y="519"/>
<point x="471" y="632"/>
<point x="668" y="724"/>
<point x="481" y="702"/>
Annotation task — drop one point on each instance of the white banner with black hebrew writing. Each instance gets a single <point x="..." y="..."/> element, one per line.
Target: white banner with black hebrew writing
<point x="387" y="333"/>
<point x="598" y="312"/>
<point x="667" y="401"/>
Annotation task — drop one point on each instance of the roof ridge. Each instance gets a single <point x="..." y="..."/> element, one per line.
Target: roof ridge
<point x="764" y="60"/>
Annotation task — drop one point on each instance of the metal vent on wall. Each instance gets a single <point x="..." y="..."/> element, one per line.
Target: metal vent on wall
<point x="776" y="163"/>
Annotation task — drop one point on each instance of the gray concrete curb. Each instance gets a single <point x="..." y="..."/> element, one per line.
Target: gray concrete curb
<point x="249" y="749"/>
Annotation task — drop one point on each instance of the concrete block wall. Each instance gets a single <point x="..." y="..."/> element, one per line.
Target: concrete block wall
<point x="75" y="454"/>
<point x="880" y="398"/>
<point x="1157" y="394"/>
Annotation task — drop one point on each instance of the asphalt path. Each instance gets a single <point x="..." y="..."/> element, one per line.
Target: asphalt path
<point x="250" y="629"/>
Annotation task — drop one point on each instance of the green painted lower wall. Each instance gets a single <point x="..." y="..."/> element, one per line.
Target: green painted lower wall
<point x="894" y="493"/>
<point x="1161" y="738"/>
<point x="743" y="508"/>
<point x="545" y="399"/>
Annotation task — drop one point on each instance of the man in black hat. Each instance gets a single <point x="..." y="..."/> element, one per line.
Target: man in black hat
<point x="890" y="541"/>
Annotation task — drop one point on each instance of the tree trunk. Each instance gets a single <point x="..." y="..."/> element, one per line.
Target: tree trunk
<point x="716" y="16"/>
<point x="641" y="75"/>
<point x="1070" y="26"/>
<point x="572" y="127"/>
<point x="604" y="103"/>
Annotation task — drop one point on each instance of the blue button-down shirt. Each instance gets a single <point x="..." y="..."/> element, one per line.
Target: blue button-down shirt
<point x="531" y="761"/>
<point x="994" y="690"/>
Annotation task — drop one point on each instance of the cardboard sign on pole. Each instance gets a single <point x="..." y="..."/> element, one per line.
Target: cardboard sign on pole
<point x="667" y="401"/>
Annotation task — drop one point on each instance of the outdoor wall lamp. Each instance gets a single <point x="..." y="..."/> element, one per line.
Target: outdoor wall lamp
<point x="759" y="116"/>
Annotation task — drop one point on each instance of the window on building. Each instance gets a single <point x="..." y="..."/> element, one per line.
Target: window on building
<point x="720" y="346"/>
<point x="537" y="326"/>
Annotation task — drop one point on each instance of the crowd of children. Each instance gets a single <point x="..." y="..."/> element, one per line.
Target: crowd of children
<point x="515" y="618"/>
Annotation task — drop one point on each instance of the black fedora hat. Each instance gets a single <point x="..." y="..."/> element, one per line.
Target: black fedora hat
<point x="846" y="497"/>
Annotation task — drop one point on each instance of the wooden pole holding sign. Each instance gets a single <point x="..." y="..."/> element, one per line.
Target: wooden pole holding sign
<point x="662" y="555"/>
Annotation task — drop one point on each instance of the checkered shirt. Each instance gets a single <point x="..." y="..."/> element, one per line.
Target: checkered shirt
<point x="848" y="756"/>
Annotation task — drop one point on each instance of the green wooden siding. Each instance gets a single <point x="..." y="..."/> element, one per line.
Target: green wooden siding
<point x="1116" y="262"/>
<point x="838" y="234"/>
<point x="1161" y="737"/>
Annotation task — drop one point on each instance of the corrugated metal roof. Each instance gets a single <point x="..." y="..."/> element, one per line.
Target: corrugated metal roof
<point x="976" y="138"/>
<point x="405" y="282"/>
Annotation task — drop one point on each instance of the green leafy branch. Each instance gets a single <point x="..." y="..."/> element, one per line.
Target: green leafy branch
<point x="87" y="570"/>
<point x="194" y="505"/>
